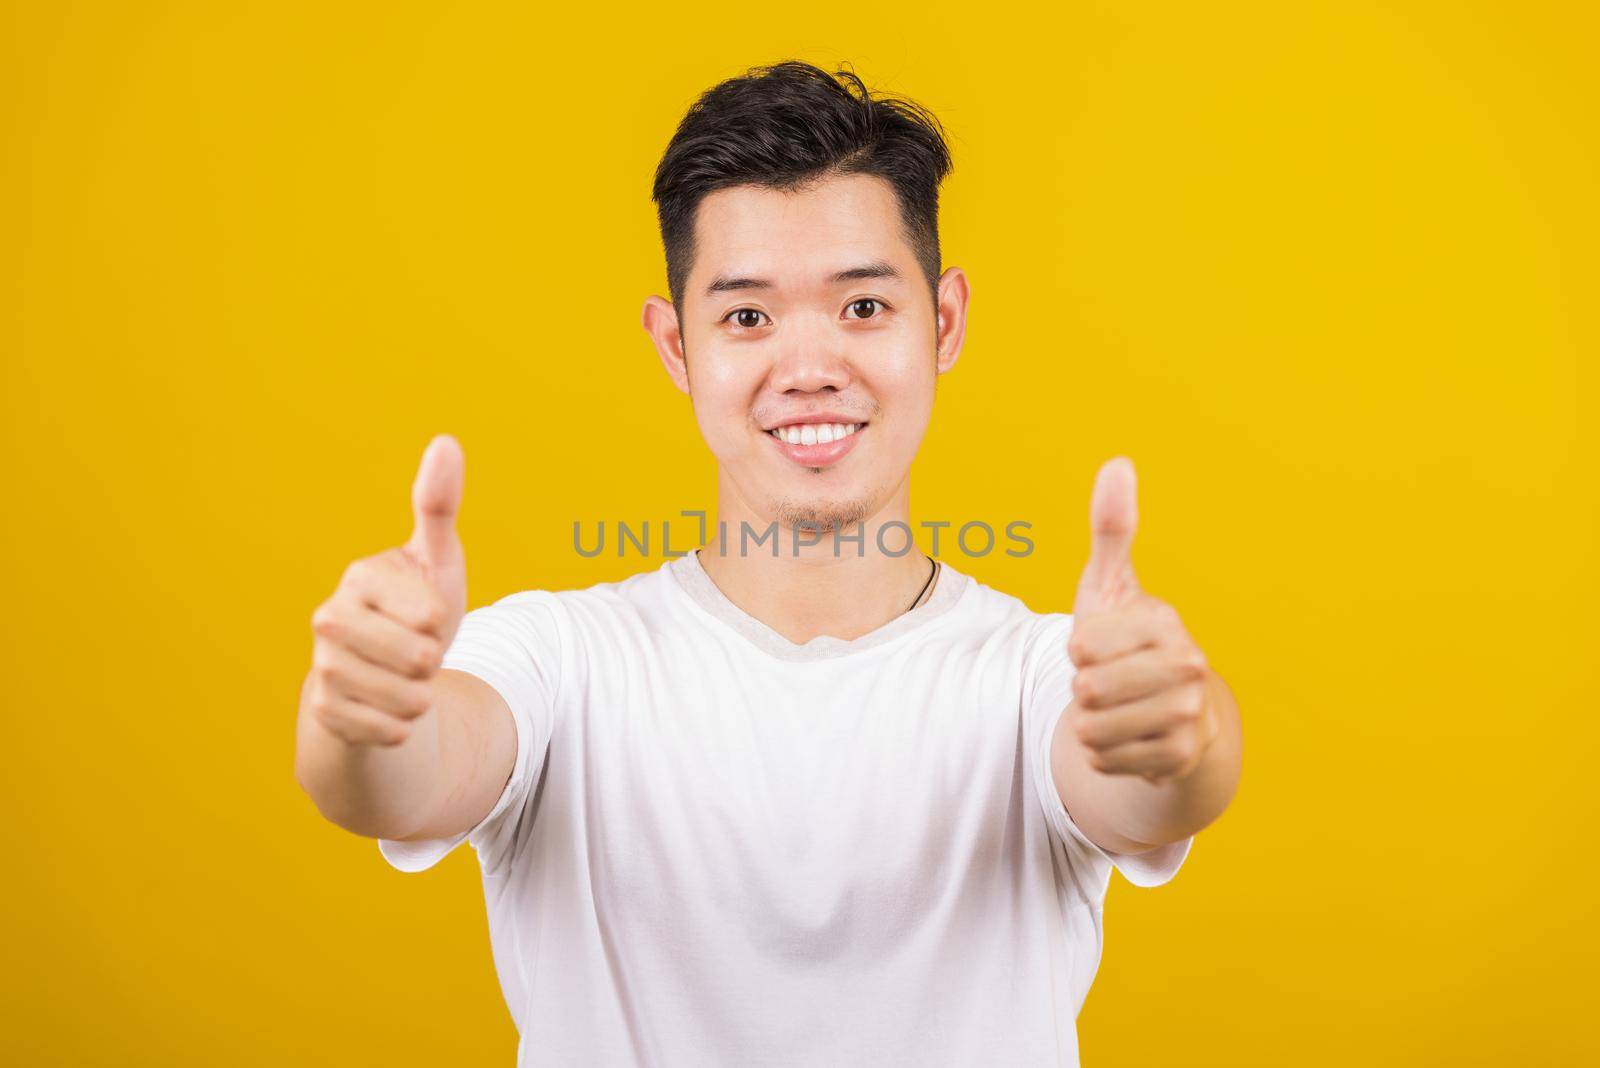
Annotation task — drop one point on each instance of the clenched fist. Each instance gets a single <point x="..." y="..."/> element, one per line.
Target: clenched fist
<point x="1139" y="695"/>
<point x="380" y="639"/>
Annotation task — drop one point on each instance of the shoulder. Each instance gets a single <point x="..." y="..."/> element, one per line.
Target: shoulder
<point x="635" y="597"/>
<point x="986" y="608"/>
<point x="554" y="632"/>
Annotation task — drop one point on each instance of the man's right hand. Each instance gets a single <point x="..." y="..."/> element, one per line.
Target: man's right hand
<point x="380" y="639"/>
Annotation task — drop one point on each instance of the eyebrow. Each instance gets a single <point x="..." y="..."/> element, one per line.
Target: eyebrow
<point x="876" y="269"/>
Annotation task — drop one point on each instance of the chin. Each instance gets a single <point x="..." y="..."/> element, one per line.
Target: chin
<point x="823" y="516"/>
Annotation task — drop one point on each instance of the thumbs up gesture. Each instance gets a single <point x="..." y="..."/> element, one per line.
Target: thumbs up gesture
<point x="380" y="638"/>
<point x="1139" y="694"/>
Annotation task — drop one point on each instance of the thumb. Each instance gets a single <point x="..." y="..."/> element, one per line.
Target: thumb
<point x="435" y="500"/>
<point x="1108" y="577"/>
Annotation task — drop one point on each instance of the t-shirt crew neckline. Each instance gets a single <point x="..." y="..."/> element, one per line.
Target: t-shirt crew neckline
<point x="706" y="595"/>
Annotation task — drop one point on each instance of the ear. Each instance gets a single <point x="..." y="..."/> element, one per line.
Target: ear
<point x="954" y="293"/>
<point x="660" y="321"/>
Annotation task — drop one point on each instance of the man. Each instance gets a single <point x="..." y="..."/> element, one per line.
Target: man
<point x="805" y="796"/>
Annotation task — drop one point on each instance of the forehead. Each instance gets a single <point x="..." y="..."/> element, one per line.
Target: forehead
<point x="796" y="238"/>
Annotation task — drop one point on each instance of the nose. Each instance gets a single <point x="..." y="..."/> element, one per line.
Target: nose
<point x="809" y="363"/>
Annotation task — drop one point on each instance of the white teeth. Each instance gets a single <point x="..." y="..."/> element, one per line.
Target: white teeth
<point x="814" y="433"/>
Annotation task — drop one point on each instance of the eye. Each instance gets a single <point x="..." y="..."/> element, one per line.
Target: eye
<point x="745" y="318"/>
<point x="865" y="308"/>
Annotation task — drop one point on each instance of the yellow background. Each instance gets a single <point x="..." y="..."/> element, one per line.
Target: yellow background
<point x="1326" y="271"/>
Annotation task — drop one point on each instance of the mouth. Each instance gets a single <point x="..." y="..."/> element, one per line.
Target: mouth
<point x="816" y="444"/>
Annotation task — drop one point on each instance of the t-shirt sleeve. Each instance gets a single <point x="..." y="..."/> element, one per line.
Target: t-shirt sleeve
<point x="514" y="645"/>
<point x="1047" y="691"/>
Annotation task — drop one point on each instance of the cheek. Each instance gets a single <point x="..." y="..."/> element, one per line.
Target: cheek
<point x="722" y="391"/>
<point x="903" y="359"/>
<point x="902" y="381"/>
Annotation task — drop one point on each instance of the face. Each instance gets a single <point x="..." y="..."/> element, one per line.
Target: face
<point x="809" y="344"/>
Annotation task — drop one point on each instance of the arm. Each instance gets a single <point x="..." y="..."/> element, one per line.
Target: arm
<point x="440" y="781"/>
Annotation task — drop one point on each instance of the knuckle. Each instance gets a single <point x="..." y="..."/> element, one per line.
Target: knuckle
<point x="433" y="655"/>
<point x="1183" y="708"/>
<point x="418" y="699"/>
<point x="420" y="661"/>
<point x="1077" y="648"/>
<point x="324" y="621"/>
<point x="330" y="720"/>
<point x="1086" y="732"/>
<point x="1193" y="664"/>
<point x="1086" y="688"/>
<point x="333" y="672"/>
<point x="393" y="732"/>
<point x="434" y="614"/>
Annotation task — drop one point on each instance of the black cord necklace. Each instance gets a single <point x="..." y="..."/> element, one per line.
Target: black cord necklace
<point x="925" y="585"/>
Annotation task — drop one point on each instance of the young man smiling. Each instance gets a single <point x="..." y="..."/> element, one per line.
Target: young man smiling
<point x="820" y="802"/>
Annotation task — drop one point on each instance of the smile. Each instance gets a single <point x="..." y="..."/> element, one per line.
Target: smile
<point x="814" y="433"/>
<point x="816" y="444"/>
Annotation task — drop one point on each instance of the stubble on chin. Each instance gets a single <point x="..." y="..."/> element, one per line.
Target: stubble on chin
<point x="821" y="516"/>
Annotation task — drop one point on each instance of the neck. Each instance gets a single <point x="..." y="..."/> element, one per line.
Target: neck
<point x="815" y="590"/>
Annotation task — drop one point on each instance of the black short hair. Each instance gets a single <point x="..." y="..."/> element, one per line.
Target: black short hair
<point x="786" y="125"/>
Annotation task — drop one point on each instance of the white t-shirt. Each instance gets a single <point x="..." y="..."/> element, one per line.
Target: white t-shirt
<point x="719" y="847"/>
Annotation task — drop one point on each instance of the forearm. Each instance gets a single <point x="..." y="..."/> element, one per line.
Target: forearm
<point x="1156" y="814"/>
<point x="373" y="790"/>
